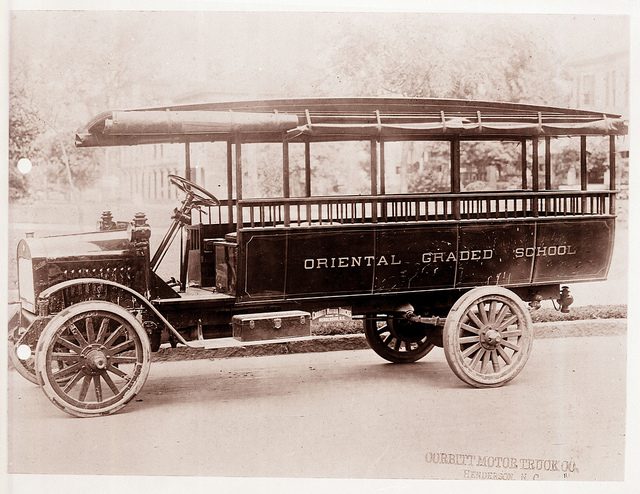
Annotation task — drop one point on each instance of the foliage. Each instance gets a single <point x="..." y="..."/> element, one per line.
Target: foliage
<point x="580" y="313"/>
<point x="437" y="57"/>
<point x="33" y="136"/>
<point x="568" y="156"/>
<point x="42" y="125"/>
<point x="434" y="56"/>
<point x="332" y="170"/>
<point x="475" y="159"/>
<point x="587" y="312"/>
<point x="72" y="65"/>
<point x="24" y="130"/>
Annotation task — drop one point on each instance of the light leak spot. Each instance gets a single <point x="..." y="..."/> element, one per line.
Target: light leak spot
<point x="24" y="165"/>
<point x="23" y="352"/>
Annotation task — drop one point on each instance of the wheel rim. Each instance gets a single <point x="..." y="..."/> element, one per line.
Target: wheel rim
<point x="106" y="361"/>
<point x="400" y="340"/>
<point x="489" y="339"/>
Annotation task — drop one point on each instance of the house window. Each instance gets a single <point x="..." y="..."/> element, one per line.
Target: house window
<point x="610" y="88"/>
<point x="588" y="87"/>
<point x="613" y="88"/>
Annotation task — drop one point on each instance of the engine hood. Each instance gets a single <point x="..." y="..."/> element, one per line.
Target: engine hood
<point x="101" y="243"/>
<point x="106" y="254"/>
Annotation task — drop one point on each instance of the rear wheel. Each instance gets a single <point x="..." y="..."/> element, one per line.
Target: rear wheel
<point x="107" y="357"/>
<point x="488" y="336"/>
<point x="397" y="340"/>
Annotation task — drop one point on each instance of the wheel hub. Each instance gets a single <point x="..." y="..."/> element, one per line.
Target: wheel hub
<point x="490" y="338"/>
<point x="406" y="331"/>
<point x="96" y="360"/>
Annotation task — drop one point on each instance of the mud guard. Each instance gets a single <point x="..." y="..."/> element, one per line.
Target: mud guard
<point x="45" y="295"/>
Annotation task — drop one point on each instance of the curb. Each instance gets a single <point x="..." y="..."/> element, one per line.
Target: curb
<point x="585" y="327"/>
<point x="561" y="329"/>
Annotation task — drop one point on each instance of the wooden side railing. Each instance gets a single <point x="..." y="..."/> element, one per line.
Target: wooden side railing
<point x="423" y="207"/>
<point x="217" y="215"/>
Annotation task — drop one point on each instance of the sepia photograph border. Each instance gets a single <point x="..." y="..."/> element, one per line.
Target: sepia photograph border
<point x="116" y="484"/>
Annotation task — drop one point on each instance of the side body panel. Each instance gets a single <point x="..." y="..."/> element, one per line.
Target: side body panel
<point x="296" y="263"/>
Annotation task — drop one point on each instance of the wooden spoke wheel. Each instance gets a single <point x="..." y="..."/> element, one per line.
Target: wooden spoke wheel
<point x="397" y="340"/>
<point x="106" y="353"/>
<point x="488" y="336"/>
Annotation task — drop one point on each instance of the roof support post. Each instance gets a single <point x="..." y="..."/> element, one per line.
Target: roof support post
<point x="547" y="163"/>
<point x="612" y="174"/>
<point x="383" y="184"/>
<point x="373" y="147"/>
<point x="187" y="160"/>
<point x="229" y="183"/>
<point x="535" y="185"/>
<point x="374" y="166"/>
<point x="455" y="176"/>
<point x="238" y="182"/>
<point x="523" y="162"/>
<point x="584" y="179"/>
<point x="547" y="171"/>
<point x="285" y="179"/>
<point x="307" y="177"/>
<point x="307" y="169"/>
<point x="184" y="246"/>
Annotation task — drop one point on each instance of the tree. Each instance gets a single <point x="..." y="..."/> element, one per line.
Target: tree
<point x="450" y="57"/>
<point x="438" y="56"/>
<point x="24" y="132"/>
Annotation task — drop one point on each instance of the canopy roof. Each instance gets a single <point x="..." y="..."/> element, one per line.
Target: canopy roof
<point x="330" y="119"/>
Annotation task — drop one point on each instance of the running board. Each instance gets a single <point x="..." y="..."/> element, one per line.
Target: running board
<point x="217" y="343"/>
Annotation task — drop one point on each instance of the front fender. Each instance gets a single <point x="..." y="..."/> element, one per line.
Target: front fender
<point x="45" y="297"/>
<point x="24" y="328"/>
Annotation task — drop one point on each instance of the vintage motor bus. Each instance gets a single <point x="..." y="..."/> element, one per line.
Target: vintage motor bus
<point x="451" y="268"/>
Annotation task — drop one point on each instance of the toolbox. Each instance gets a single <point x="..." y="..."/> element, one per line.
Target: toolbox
<point x="271" y="325"/>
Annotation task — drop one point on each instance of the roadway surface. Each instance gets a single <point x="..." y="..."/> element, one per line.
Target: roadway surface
<point x="344" y="414"/>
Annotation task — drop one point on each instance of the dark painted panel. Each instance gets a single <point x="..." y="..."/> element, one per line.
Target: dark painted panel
<point x="411" y="257"/>
<point x="331" y="262"/>
<point x="335" y="261"/>
<point x="265" y="257"/>
<point x="486" y="254"/>
<point x="573" y="250"/>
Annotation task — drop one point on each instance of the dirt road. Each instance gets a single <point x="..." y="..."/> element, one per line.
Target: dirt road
<point x="344" y="414"/>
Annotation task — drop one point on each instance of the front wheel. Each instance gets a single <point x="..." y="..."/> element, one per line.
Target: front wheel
<point x="107" y="355"/>
<point x="488" y="336"/>
<point x="397" y="340"/>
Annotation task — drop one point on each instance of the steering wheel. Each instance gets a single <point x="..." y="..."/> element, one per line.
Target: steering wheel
<point x="203" y="197"/>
